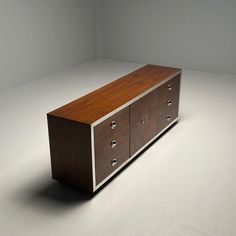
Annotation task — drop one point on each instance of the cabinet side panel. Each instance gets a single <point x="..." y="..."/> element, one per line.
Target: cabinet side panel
<point x="70" y="148"/>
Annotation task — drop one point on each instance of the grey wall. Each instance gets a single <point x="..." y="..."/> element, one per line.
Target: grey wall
<point x="198" y="35"/>
<point x="41" y="36"/>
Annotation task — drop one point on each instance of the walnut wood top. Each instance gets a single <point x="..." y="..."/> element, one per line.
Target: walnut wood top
<point x="93" y="106"/>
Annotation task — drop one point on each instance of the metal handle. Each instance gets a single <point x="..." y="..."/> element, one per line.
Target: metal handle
<point x="169" y="102"/>
<point x="168" y="118"/>
<point x="113" y="162"/>
<point x="145" y="121"/>
<point x="113" y="124"/>
<point x="169" y="87"/>
<point x="113" y="143"/>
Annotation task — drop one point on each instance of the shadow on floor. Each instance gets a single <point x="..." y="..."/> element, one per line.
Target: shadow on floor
<point x="51" y="196"/>
<point x="60" y="193"/>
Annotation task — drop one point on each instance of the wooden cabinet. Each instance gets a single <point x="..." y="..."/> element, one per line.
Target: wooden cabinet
<point x="94" y="136"/>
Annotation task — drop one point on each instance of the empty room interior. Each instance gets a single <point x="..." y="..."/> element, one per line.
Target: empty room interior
<point x="159" y="77"/>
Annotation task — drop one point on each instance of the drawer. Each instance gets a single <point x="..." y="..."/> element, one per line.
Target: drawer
<point x="168" y="90"/>
<point x="112" y="125"/>
<point x="166" y="95"/>
<point x="111" y="145"/>
<point x="169" y="116"/>
<point x="167" y="104"/>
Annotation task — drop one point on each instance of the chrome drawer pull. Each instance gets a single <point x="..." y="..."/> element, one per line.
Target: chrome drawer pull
<point x="169" y="103"/>
<point x="113" y="143"/>
<point x="169" y="87"/>
<point x="145" y="121"/>
<point x="113" y="125"/>
<point x="113" y="162"/>
<point x="168" y="118"/>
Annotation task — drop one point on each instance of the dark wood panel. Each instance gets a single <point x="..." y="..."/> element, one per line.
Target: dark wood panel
<point x="143" y="123"/>
<point x="104" y="129"/>
<point x="167" y="98"/>
<point x="104" y="100"/>
<point x="104" y="148"/>
<point x="70" y="148"/>
<point x="104" y="153"/>
<point x="104" y="135"/>
<point x="171" y="101"/>
<point x="145" y="113"/>
<point x="163" y="92"/>
<point x="164" y="121"/>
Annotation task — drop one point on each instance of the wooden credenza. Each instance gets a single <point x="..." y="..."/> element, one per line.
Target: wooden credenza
<point x="93" y="137"/>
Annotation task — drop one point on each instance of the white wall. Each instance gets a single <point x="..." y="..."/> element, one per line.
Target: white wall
<point x="40" y="36"/>
<point x="198" y="35"/>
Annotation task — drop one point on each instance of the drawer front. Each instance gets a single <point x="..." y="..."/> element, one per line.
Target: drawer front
<point x="165" y="119"/>
<point x="111" y="142"/>
<point x="167" y="104"/>
<point x="112" y="125"/>
<point x="166" y="96"/>
<point x="168" y="89"/>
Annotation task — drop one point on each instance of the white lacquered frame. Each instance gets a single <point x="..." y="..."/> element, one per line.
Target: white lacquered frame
<point x="95" y="186"/>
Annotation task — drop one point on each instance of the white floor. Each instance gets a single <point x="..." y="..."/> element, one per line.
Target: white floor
<point x="183" y="185"/>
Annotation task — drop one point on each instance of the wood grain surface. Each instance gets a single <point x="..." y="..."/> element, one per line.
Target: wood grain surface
<point x="70" y="148"/>
<point x="95" y="105"/>
<point x="148" y="114"/>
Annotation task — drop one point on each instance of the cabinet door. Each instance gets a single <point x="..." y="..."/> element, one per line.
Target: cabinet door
<point x="143" y="122"/>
